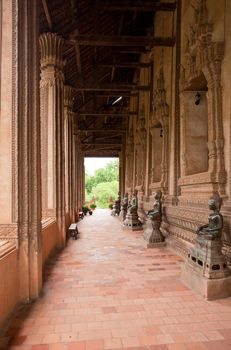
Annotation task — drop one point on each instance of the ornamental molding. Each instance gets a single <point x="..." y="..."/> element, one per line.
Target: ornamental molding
<point x="201" y="53"/>
<point x="51" y="48"/>
<point x="160" y="107"/>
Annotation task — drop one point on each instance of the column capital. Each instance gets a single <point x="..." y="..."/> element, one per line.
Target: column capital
<point x="51" y="48"/>
<point x="68" y="97"/>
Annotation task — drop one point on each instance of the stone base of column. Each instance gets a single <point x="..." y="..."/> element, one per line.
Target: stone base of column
<point x="153" y="235"/>
<point x="210" y="289"/>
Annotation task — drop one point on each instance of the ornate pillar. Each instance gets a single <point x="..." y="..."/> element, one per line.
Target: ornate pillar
<point x="68" y="140"/>
<point x="52" y="121"/>
<point x="28" y="157"/>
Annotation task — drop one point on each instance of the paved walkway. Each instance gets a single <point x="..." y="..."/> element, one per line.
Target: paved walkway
<point x="107" y="291"/>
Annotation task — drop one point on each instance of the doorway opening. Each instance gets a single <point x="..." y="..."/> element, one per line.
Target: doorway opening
<point x="101" y="182"/>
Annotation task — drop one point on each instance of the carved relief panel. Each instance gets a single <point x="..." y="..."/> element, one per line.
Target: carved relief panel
<point x="140" y="150"/>
<point x="159" y="129"/>
<point x="201" y="105"/>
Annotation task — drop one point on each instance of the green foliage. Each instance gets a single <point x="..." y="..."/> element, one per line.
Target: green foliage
<point x="110" y="206"/>
<point x="85" y="209"/>
<point x="103" y="184"/>
<point x="103" y="191"/>
<point x="108" y="174"/>
<point x="92" y="206"/>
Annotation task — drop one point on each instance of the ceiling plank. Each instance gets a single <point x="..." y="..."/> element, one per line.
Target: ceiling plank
<point x="100" y="144"/>
<point x="103" y="40"/>
<point x="112" y="87"/>
<point x="125" y="65"/>
<point x="139" y="6"/>
<point x="119" y="131"/>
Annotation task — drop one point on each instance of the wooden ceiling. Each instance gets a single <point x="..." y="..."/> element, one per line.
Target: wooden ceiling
<point x="103" y="43"/>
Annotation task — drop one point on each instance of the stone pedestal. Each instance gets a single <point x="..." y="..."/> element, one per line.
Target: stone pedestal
<point x="206" y="271"/>
<point x="153" y="235"/>
<point x="132" y="222"/>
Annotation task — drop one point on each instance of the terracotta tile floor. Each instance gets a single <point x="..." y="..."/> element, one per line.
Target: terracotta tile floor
<point x="107" y="291"/>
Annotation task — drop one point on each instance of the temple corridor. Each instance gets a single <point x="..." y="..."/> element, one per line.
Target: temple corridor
<point x="107" y="291"/>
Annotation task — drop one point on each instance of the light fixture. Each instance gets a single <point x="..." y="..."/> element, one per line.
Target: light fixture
<point x="117" y="100"/>
<point x="197" y="99"/>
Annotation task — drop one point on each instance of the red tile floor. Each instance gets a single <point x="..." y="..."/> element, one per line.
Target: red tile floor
<point x="107" y="291"/>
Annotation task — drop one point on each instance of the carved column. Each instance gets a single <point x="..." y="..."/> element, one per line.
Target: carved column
<point x="52" y="120"/>
<point x="28" y="157"/>
<point x="68" y="140"/>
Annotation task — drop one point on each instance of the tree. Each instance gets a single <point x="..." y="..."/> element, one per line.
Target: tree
<point x="103" y="191"/>
<point x="108" y="174"/>
<point x="103" y="184"/>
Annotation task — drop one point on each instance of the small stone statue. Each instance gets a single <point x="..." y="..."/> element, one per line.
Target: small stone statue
<point x="116" y="206"/>
<point x="206" y="256"/>
<point x="152" y="234"/>
<point x="132" y="218"/>
<point x="213" y="229"/>
<point x="133" y="205"/>
<point x="156" y="212"/>
<point x="124" y="206"/>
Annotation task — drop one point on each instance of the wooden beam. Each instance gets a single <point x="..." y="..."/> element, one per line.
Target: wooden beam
<point x="47" y="13"/>
<point x="106" y="114"/>
<point x="112" y="87"/>
<point x="103" y="40"/>
<point x="115" y="94"/>
<point x="119" y="131"/>
<point x="100" y="144"/>
<point x="140" y="6"/>
<point x="125" y="65"/>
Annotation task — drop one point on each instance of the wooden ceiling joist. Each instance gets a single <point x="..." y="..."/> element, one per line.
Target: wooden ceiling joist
<point x="138" y="6"/>
<point x="105" y="114"/>
<point x="101" y="144"/>
<point x="104" y="40"/>
<point x="118" y="131"/>
<point x="112" y="87"/>
<point x="125" y="65"/>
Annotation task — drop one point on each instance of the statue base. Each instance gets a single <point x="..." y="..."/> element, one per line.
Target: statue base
<point x="210" y="289"/>
<point x="153" y="235"/>
<point x="206" y="270"/>
<point x="132" y="222"/>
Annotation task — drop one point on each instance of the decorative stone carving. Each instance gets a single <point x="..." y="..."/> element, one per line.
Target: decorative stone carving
<point x="152" y="233"/>
<point x="129" y="161"/>
<point x="140" y="149"/>
<point x="205" y="260"/>
<point x="132" y="219"/>
<point x="159" y="128"/>
<point x="124" y="206"/>
<point x="204" y="58"/>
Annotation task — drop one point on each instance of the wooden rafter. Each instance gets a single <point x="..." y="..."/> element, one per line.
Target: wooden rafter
<point x="138" y="6"/>
<point x="118" y="131"/>
<point x="112" y="87"/>
<point x="125" y="65"/>
<point x="106" y="114"/>
<point x="104" y="40"/>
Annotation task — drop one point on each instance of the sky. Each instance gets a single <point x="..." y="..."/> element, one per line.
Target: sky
<point x="92" y="164"/>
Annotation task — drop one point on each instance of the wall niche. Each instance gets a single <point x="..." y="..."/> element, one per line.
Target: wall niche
<point x="194" y="130"/>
